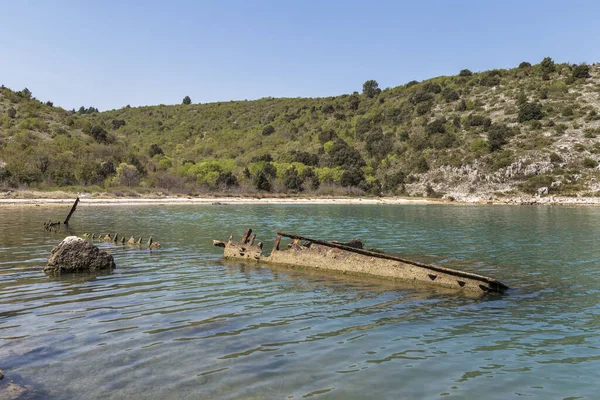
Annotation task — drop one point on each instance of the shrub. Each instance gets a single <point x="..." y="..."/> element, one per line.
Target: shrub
<point x="535" y="182"/>
<point x="354" y="102"/>
<point x="421" y="96"/>
<point x="420" y="165"/>
<point x="327" y="109"/>
<point x="424" y="108"/>
<point x="393" y="183"/>
<point x="154" y="150"/>
<point x="436" y="126"/>
<point x="343" y="155"/>
<point x="378" y="145"/>
<point x="465" y="72"/>
<point x="581" y="71"/>
<point x="304" y="157"/>
<point x="590" y="163"/>
<point x="187" y="100"/>
<point x="432" y="88"/>
<point x="555" y="158"/>
<point x="265" y="157"/>
<point x="363" y="125"/>
<point x="450" y="94"/>
<point x="117" y="123"/>
<point x="479" y="146"/>
<point x="99" y="134"/>
<point x="227" y="179"/>
<point x="530" y="111"/>
<point x="127" y="175"/>
<point x="490" y="79"/>
<point x="327" y="136"/>
<point x="12" y="113"/>
<point x="524" y="64"/>
<point x="535" y="124"/>
<point x="478" y="120"/>
<point x="371" y="88"/>
<point x="268" y="130"/>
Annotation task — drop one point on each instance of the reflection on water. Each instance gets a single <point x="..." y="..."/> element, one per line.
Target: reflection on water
<point x="181" y="323"/>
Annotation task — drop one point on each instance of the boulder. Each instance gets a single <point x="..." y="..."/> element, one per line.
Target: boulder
<point x="75" y="254"/>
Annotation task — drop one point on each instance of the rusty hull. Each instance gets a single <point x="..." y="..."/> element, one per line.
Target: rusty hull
<point x="348" y="259"/>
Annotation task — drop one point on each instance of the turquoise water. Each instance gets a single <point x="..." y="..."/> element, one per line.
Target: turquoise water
<point x="179" y="323"/>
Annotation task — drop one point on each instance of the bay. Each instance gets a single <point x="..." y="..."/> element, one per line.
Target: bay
<point x="181" y="323"/>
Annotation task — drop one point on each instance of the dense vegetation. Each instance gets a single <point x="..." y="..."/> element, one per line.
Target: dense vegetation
<point x="499" y="131"/>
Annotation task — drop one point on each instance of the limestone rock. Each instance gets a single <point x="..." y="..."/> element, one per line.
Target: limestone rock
<point x="75" y="254"/>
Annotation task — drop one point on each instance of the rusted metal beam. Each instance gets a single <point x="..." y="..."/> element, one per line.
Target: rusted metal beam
<point x="491" y="281"/>
<point x="246" y="235"/>
<point x="277" y="240"/>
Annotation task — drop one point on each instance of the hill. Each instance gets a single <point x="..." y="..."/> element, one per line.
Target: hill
<point x="531" y="129"/>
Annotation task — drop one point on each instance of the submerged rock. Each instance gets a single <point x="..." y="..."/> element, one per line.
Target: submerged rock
<point x="75" y="254"/>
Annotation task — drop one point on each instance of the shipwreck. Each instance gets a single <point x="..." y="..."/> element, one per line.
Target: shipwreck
<point x="352" y="258"/>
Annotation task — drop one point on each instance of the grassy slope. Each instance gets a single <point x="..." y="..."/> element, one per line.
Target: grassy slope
<point x="45" y="147"/>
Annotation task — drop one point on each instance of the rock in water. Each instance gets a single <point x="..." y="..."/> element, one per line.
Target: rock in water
<point x="75" y="254"/>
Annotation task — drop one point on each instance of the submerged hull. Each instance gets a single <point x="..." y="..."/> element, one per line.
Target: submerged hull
<point x="352" y="259"/>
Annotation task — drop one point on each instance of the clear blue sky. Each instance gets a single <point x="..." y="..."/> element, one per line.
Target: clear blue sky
<point x="110" y="53"/>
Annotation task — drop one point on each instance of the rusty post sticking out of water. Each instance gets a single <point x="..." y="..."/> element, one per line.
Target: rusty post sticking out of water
<point x="246" y="235"/>
<point x="71" y="212"/>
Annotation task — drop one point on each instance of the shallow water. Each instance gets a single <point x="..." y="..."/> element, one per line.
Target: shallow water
<point x="179" y="323"/>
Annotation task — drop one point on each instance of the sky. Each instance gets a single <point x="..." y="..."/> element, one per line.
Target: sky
<point x="111" y="53"/>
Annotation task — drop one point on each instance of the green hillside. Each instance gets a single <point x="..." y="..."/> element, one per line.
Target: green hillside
<point x="530" y="129"/>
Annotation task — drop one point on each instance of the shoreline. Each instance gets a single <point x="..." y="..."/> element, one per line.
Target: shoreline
<point x="31" y="198"/>
<point x="140" y="201"/>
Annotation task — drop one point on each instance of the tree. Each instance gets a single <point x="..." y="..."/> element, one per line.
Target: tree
<point x="308" y="175"/>
<point x="261" y="181"/>
<point x="352" y="177"/>
<point x="371" y="88"/>
<point x="497" y="136"/>
<point x="465" y="72"/>
<point x="292" y="181"/>
<point x="186" y="100"/>
<point x="127" y="175"/>
<point x="524" y="64"/>
<point x="26" y="93"/>
<point x="547" y="66"/>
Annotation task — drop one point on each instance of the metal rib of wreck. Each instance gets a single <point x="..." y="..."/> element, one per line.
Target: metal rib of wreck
<point x="351" y="258"/>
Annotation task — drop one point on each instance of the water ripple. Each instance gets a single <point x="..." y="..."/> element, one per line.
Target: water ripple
<point x="180" y="323"/>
